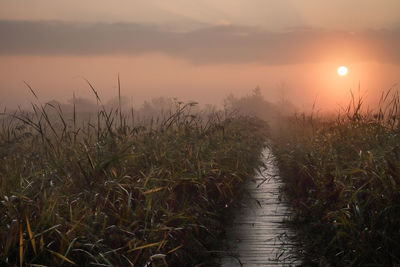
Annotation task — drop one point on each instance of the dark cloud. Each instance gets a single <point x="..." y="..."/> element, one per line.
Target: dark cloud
<point x="219" y="44"/>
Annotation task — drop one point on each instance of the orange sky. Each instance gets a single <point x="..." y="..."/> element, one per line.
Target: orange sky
<point x="199" y="50"/>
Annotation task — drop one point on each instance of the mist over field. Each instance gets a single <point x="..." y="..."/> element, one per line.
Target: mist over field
<point x="199" y="133"/>
<point x="205" y="63"/>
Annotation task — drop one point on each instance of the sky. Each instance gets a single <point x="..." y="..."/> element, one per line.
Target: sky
<point x="199" y="50"/>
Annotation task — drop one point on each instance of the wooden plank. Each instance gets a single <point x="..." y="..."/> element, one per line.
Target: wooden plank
<point x="257" y="236"/>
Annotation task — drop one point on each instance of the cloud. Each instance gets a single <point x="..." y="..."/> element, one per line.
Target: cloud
<point x="210" y="45"/>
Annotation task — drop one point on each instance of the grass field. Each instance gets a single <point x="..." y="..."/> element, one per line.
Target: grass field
<point x="342" y="178"/>
<point x="112" y="193"/>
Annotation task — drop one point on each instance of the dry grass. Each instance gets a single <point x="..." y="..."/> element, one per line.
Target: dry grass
<point x="343" y="179"/>
<point x="109" y="193"/>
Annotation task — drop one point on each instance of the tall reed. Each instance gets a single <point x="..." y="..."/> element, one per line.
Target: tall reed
<point x="342" y="176"/>
<point x="110" y="193"/>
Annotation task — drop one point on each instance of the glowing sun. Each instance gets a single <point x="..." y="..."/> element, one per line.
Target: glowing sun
<point x="342" y="71"/>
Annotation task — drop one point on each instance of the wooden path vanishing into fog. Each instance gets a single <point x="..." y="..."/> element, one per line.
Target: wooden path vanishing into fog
<point x="257" y="236"/>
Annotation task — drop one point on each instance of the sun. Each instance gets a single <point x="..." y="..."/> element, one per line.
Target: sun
<point x="342" y="71"/>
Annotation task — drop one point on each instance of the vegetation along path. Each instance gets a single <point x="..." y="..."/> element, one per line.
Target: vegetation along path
<point x="257" y="236"/>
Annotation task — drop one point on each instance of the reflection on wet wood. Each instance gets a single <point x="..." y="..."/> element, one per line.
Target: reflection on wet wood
<point x="257" y="236"/>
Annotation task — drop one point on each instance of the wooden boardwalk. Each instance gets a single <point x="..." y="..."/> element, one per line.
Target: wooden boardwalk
<point x="257" y="236"/>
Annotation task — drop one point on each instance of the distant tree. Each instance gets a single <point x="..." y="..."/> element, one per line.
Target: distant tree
<point x="82" y="105"/>
<point x="114" y="102"/>
<point x="257" y="92"/>
<point x="157" y="106"/>
<point x="254" y="105"/>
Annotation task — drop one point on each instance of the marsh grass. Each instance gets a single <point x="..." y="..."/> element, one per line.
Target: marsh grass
<point x="342" y="177"/>
<point x="107" y="192"/>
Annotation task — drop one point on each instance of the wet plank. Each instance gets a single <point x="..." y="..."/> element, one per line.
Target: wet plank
<point x="257" y="236"/>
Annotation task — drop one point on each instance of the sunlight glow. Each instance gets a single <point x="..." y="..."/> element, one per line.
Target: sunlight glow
<point x="342" y="70"/>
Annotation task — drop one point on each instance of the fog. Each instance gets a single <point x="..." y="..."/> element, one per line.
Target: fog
<point x="205" y="65"/>
<point x="148" y="76"/>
